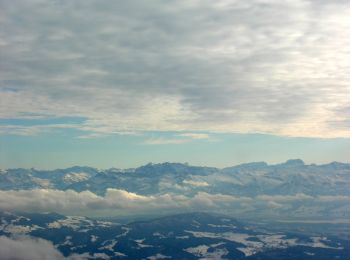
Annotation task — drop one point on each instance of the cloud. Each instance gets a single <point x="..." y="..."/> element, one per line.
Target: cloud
<point x="115" y="201"/>
<point x="86" y="202"/>
<point x="41" y="200"/>
<point x="219" y="201"/>
<point x="31" y="248"/>
<point x="196" y="183"/>
<point x="195" y="135"/>
<point x="286" y="198"/>
<point x="160" y="141"/>
<point x="121" y="202"/>
<point x="72" y="202"/>
<point x="176" y="139"/>
<point x="28" y="248"/>
<point x="34" y="129"/>
<point x="334" y="198"/>
<point x="230" y="66"/>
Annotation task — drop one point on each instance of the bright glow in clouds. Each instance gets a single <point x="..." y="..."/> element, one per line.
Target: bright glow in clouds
<point x="120" y="202"/>
<point x="72" y="202"/>
<point x="277" y="67"/>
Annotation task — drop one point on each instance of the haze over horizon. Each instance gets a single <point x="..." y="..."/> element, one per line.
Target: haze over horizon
<point x="294" y="161"/>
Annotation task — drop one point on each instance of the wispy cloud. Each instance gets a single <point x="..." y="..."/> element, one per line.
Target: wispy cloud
<point x="181" y="138"/>
<point x="195" y="135"/>
<point x="160" y="141"/>
<point x="32" y="130"/>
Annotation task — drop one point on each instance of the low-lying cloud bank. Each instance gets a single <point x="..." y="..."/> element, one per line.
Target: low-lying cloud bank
<point x="121" y="202"/>
<point x="87" y="202"/>
<point x="28" y="248"/>
<point x="31" y="248"/>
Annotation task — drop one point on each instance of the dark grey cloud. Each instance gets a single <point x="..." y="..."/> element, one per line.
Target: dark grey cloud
<point x="233" y="66"/>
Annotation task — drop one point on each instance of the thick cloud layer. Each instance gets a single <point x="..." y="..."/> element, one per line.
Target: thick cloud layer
<point x="120" y="202"/>
<point x="115" y="201"/>
<point x="264" y="66"/>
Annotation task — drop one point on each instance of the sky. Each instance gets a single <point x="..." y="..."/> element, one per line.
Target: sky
<point x="123" y="83"/>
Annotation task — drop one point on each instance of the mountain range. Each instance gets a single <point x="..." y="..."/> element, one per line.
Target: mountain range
<point x="290" y="210"/>
<point x="289" y="190"/>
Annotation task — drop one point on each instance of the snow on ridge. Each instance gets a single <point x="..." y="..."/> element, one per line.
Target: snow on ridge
<point x="158" y="256"/>
<point x="73" y="222"/>
<point x="109" y="245"/>
<point x="264" y="241"/>
<point x="140" y="243"/>
<point x="75" y="177"/>
<point x="202" y="251"/>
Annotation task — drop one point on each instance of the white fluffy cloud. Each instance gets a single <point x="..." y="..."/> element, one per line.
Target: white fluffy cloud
<point x="276" y="67"/>
<point x="122" y="202"/>
<point x="28" y="248"/>
<point x="31" y="248"/>
<point x="115" y="201"/>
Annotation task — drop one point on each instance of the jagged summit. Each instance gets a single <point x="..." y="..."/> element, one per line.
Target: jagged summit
<point x="293" y="162"/>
